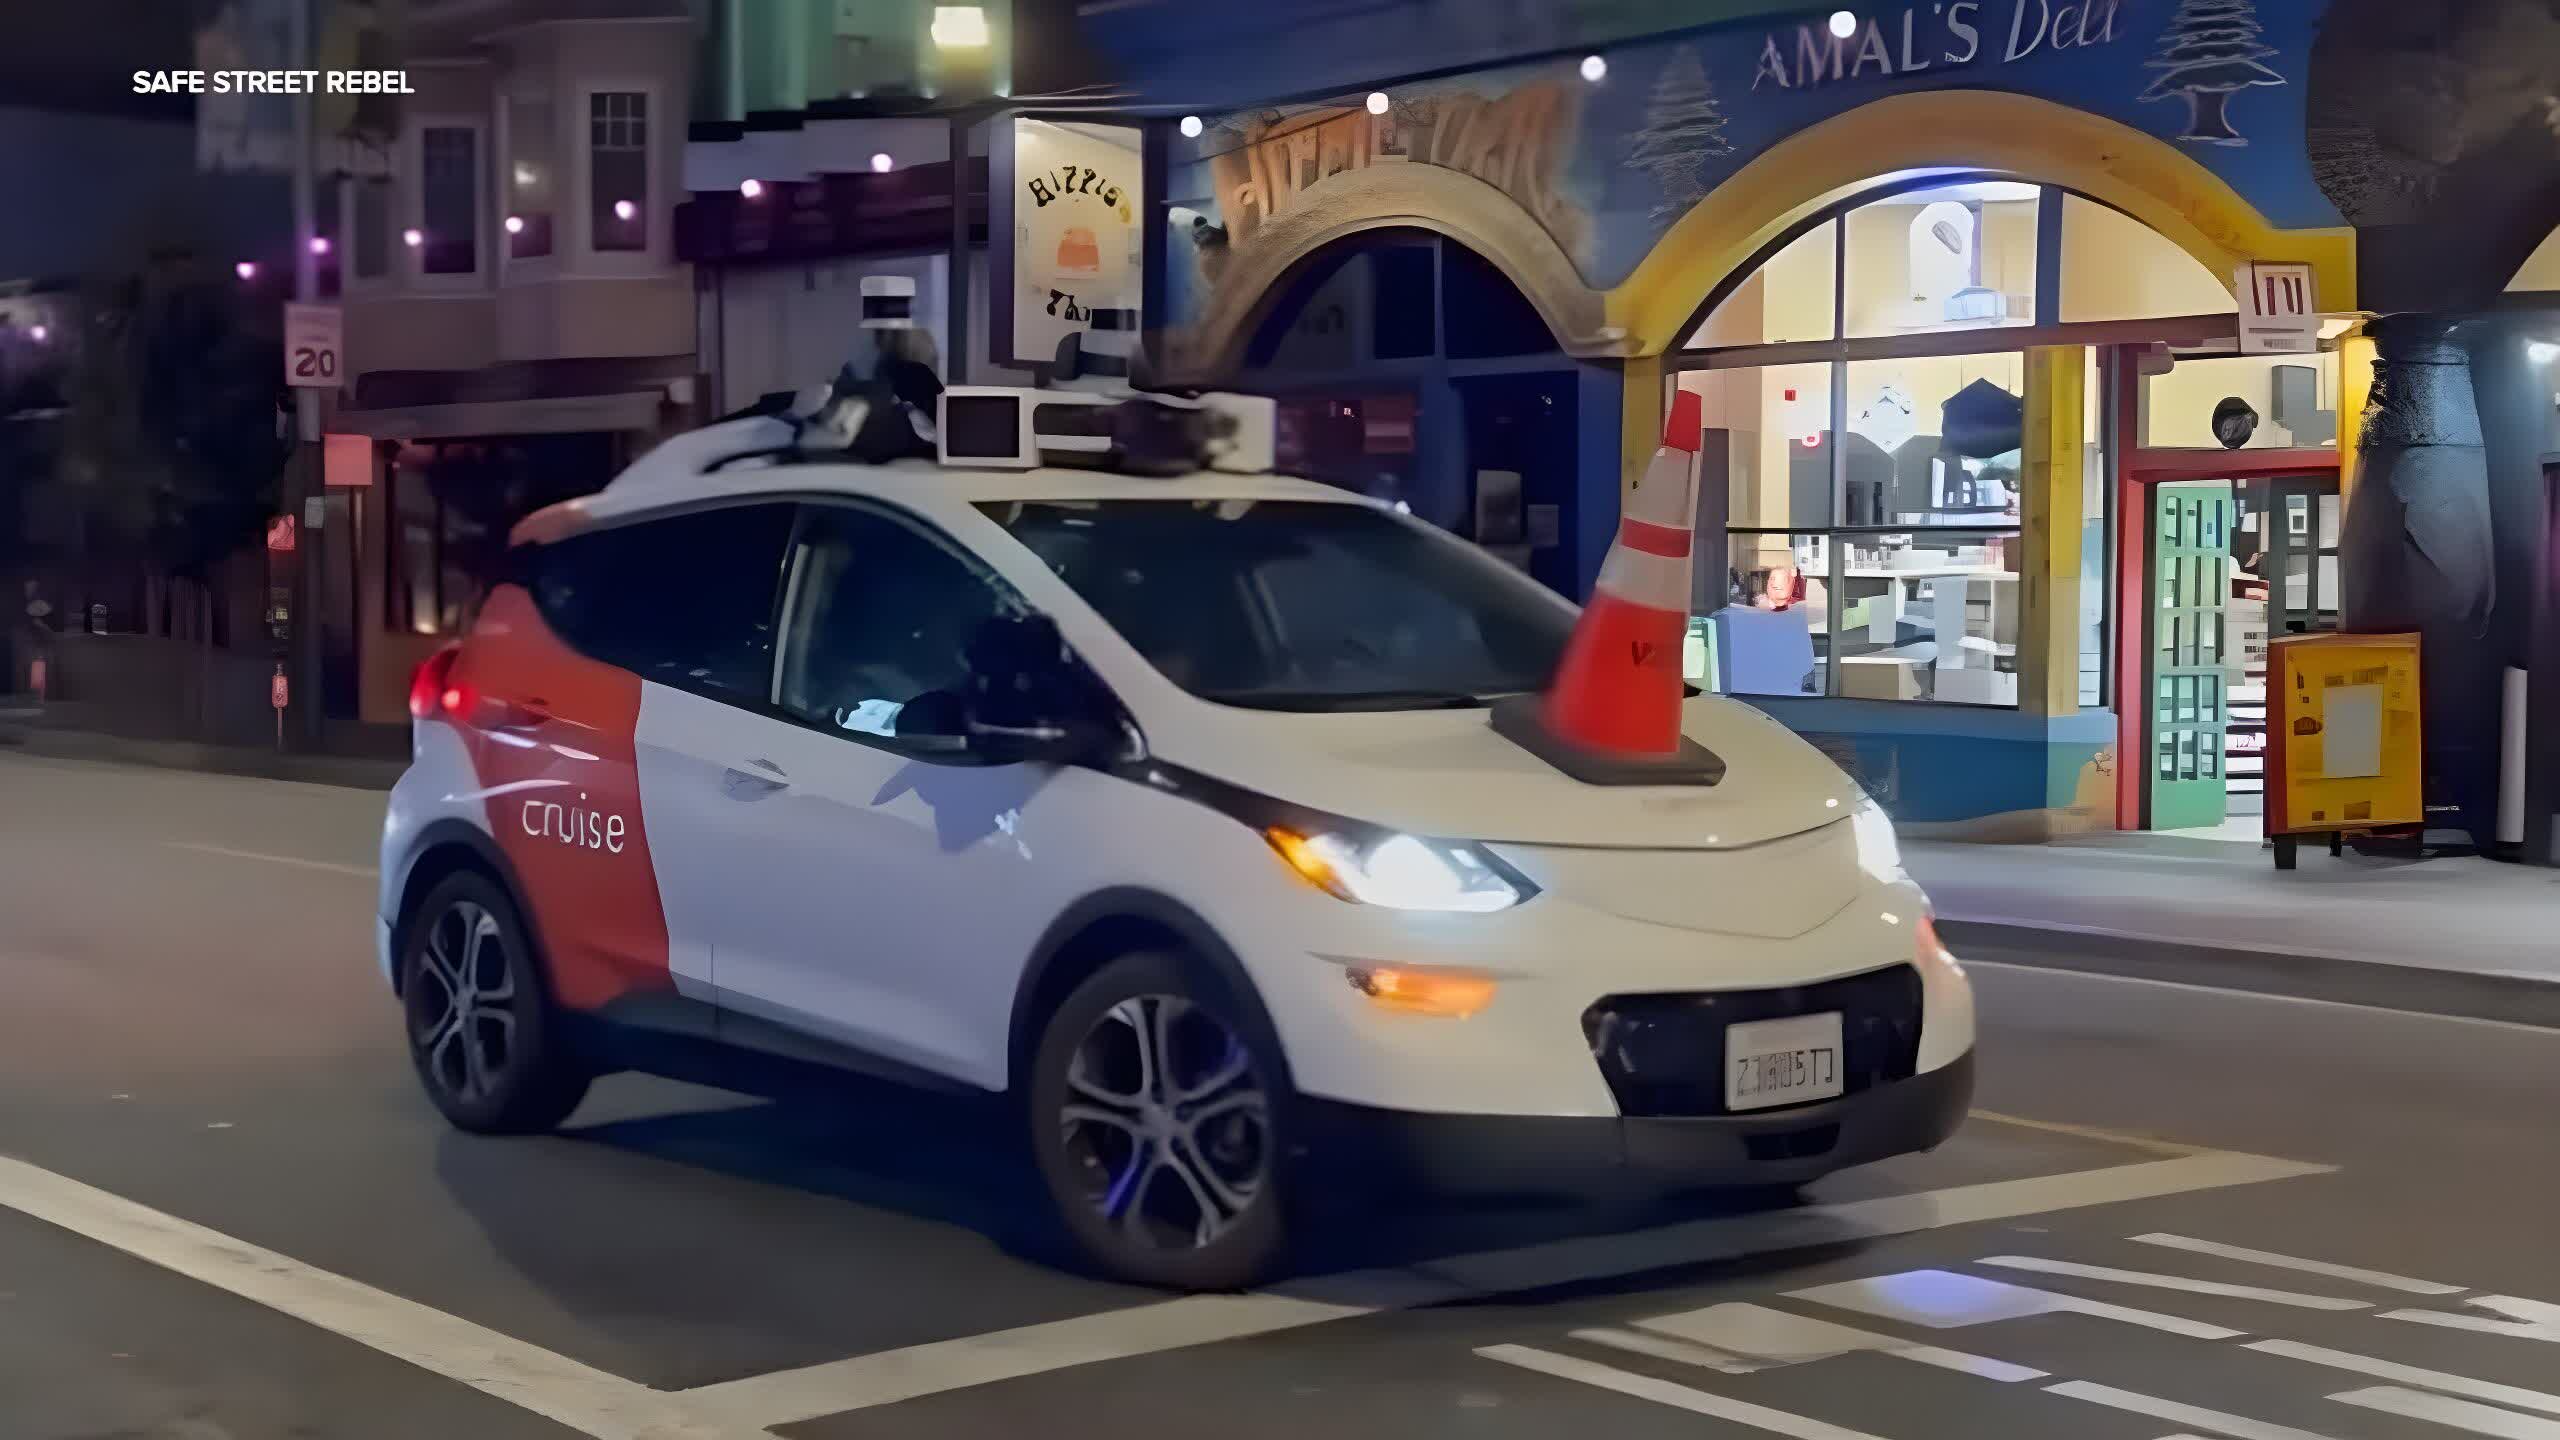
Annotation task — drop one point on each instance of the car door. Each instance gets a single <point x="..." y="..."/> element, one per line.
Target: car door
<point x="890" y="893"/>
<point x="682" y="607"/>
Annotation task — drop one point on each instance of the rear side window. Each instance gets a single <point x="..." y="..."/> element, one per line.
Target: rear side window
<point x="685" y="601"/>
<point x="882" y="613"/>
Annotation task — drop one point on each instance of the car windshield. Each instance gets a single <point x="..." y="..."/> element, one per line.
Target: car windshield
<point x="1301" y="605"/>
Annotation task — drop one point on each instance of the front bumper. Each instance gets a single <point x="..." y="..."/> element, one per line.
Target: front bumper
<point x="1517" y="1154"/>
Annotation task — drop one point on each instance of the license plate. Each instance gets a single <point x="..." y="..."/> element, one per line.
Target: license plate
<point x="1781" y="1062"/>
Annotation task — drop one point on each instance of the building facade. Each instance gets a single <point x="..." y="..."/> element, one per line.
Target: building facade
<point x="2008" y="512"/>
<point x="518" y="323"/>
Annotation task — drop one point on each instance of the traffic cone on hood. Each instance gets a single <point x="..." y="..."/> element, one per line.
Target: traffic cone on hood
<point x="1612" y="715"/>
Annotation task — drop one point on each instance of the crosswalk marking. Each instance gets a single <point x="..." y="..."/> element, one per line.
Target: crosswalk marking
<point x="2451" y="1384"/>
<point x="1664" y="1392"/>
<point x="1759" y="1333"/>
<point x="2238" y="1427"/>
<point x="1737" y="1338"/>
<point x="2468" y="1415"/>
<point x="2294" y="1298"/>
<point x="2376" y="1278"/>
<point x="1946" y="1300"/>
<point x="1663" y="1347"/>
<point x="2529" y="1319"/>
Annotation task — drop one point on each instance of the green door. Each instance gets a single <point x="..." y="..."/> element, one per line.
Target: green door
<point x="2190" y="580"/>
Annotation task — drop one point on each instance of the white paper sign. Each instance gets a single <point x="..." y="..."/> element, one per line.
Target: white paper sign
<point x="2279" y="309"/>
<point x="2351" y="735"/>
<point x="1077" y="244"/>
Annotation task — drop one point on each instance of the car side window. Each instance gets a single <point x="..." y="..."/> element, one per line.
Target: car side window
<point x="880" y="613"/>
<point x="686" y="600"/>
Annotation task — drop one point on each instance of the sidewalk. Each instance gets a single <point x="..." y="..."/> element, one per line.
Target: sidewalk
<point x="2220" y="913"/>
<point x="365" y="761"/>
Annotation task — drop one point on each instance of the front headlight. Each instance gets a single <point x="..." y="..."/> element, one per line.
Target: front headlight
<point x="1879" y="853"/>
<point x="1400" y="872"/>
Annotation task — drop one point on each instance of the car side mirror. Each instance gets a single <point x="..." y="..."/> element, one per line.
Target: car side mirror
<point x="1029" y="699"/>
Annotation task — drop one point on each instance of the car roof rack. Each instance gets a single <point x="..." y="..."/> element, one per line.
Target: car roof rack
<point x="1102" y="413"/>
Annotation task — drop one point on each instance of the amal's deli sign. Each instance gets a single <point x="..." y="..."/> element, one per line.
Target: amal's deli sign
<point x="1943" y="35"/>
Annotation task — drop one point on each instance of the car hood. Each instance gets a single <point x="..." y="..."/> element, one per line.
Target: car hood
<point x="1447" y="774"/>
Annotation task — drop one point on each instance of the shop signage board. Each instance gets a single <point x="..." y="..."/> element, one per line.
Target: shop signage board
<point x="2279" y="309"/>
<point x="1607" y="167"/>
<point x="1071" y="241"/>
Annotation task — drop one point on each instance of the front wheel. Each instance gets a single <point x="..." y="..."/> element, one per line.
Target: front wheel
<point x="480" y="1023"/>
<point x="1155" y="1119"/>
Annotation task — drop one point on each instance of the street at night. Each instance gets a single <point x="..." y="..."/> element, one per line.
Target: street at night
<point x="226" y="1212"/>
<point x="1425" y="719"/>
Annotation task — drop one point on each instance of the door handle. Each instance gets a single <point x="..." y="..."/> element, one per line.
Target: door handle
<point x="764" y="779"/>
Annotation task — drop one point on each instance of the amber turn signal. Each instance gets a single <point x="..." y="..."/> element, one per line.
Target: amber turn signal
<point x="1424" y="992"/>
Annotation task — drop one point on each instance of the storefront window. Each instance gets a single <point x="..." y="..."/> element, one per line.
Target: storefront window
<point x="1934" y="440"/>
<point x="1866" y="394"/>
<point x="1954" y="257"/>
<point x="1792" y="297"/>
<point x="2265" y="402"/>
<point x="2114" y="267"/>
<point x="1823" y="544"/>
<point x="1929" y="615"/>
<point x="1772" y="635"/>
<point x="1766" y="446"/>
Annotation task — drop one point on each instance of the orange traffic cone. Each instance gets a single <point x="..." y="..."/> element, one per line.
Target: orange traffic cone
<point x="1612" y="715"/>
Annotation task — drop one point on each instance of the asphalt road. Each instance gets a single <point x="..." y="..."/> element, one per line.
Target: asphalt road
<point x="226" y="1213"/>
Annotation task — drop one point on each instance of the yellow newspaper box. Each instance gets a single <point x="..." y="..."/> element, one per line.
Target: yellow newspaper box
<point x="2342" y="737"/>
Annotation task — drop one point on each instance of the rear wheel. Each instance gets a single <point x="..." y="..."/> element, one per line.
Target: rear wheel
<point x="482" y="1033"/>
<point x="1155" y="1110"/>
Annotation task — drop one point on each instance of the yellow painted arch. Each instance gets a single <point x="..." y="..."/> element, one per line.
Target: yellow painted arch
<point x="1978" y="130"/>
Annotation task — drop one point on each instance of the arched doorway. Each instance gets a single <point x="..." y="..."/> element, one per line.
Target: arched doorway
<point x="1957" y="426"/>
<point x="1410" y="368"/>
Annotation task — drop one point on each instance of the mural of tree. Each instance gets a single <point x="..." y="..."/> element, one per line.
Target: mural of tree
<point x="1683" y="129"/>
<point x="2209" y="51"/>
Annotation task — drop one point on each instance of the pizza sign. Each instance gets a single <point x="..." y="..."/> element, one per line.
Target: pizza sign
<point x="1076" y="247"/>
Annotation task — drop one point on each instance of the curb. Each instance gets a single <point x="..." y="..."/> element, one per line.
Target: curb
<point x="353" y="772"/>
<point x="2338" y="979"/>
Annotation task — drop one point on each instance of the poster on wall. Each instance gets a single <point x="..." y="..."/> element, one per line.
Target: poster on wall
<point x="1076" y="244"/>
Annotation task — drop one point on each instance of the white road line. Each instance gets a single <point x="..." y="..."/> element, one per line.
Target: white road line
<point x="790" y="1396"/>
<point x="1780" y="1338"/>
<point x="1663" y="1392"/>
<point x="2533" y="1319"/>
<point x="1662" y="1347"/>
<point x="2238" y="1427"/>
<point x="555" y="1387"/>
<point x="2375" y="1278"/>
<point x="786" y="1396"/>
<point x="2229" y="992"/>
<point x="2515" y="1395"/>
<point x="1945" y="1300"/>
<point x="2460" y="1414"/>
<point x="2126" y="1138"/>
<point x="199" y="846"/>
<point x="1609" y="1256"/>
<point x="2294" y="1298"/>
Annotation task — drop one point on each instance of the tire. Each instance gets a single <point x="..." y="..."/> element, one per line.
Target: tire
<point x="1163" y="1175"/>
<point x="500" y="1067"/>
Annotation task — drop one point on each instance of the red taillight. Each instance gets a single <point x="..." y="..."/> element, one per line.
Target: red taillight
<point x="432" y="688"/>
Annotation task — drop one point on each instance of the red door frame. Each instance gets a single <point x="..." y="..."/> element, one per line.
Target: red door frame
<point x="2137" y="468"/>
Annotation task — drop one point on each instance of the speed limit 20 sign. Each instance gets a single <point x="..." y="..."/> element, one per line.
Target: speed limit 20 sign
<point x="314" y="345"/>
